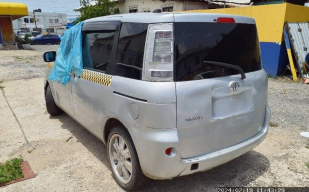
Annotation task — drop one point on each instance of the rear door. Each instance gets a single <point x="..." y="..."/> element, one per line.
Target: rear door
<point x="215" y="107"/>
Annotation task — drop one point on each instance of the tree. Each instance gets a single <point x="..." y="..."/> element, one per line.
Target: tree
<point x="102" y="8"/>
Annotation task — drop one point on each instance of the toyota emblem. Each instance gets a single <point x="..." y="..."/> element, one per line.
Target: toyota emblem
<point x="234" y="85"/>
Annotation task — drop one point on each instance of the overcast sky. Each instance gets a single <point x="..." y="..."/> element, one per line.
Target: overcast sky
<point x="59" y="6"/>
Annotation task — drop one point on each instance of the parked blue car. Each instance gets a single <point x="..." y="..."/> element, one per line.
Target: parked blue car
<point x="46" y="39"/>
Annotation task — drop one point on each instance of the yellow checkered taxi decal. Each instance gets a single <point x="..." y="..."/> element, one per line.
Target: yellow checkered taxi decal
<point x="50" y="65"/>
<point x="99" y="78"/>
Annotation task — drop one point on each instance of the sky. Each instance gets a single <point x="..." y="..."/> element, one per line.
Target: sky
<point x="57" y="6"/>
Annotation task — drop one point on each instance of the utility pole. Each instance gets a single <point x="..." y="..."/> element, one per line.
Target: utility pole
<point x="36" y="10"/>
<point x="34" y="19"/>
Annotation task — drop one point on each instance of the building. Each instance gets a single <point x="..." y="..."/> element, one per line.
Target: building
<point x="8" y="13"/>
<point x="133" y="6"/>
<point x="42" y="22"/>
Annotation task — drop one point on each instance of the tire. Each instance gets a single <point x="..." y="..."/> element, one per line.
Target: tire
<point x="137" y="178"/>
<point x="51" y="106"/>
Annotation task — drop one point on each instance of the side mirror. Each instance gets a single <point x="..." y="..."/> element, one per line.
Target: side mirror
<point x="49" y="56"/>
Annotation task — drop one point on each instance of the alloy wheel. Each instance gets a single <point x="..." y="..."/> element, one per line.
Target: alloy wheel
<point x="120" y="158"/>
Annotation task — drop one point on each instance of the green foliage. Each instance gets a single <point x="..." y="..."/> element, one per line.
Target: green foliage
<point x="21" y="41"/>
<point x="11" y="170"/>
<point x="18" y="40"/>
<point x="27" y="39"/>
<point x="272" y="124"/>
<point x="1" y="86"/>
<point x="102" y="8"/>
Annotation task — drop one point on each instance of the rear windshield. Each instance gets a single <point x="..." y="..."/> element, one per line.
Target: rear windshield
<point x="230" y="43"/>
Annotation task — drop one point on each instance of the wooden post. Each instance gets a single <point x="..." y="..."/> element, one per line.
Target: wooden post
<point x="288" y="48"/>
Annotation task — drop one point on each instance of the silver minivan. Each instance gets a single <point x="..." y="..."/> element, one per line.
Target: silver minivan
<point x="170" y="94"/>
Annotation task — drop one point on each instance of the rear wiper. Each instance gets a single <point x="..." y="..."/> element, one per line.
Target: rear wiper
<point x="243" y="76"/>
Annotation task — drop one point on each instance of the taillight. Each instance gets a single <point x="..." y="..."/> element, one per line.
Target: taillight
<point x="158" y="63"/>
<point x="225" y="20"/>
<point x="163" y="47"/>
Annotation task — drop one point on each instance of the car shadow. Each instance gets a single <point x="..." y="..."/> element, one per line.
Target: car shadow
<point x="82" y="135"/>
<point x="237" y="173"/>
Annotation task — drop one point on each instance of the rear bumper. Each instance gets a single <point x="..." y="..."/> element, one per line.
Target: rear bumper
<point x="152" y="143"/>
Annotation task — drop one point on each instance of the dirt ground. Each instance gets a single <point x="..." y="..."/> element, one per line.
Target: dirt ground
<point x="66" y="157"/>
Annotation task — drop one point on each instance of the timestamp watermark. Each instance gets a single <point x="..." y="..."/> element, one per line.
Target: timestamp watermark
<point x="263" y="189"/>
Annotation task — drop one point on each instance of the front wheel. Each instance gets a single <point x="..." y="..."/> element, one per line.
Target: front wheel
<point x="51" y="106"/>
<point x="124" y="160"/>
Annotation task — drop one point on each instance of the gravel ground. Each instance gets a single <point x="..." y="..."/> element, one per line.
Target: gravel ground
<point x="289" y="103"/>
<point x="23" y="64"/>
<point x="66" y="157"/>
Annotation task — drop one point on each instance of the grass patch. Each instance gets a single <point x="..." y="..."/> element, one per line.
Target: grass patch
<point x="285" y="79"/>
<point x="18" y="58"/>
<point x="271" y="77"/>
<point x="1" y="86"/>
<point x="307" y="165"/>
<point x="272" y="124"/>
<point x="27" y="62"/>
<point x="11" y="170"/>
<point x="307" y="146"/>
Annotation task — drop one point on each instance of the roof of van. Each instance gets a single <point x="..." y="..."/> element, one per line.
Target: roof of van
<point x="170" y="17"/>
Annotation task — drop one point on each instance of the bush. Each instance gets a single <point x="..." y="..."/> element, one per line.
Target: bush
<point x="102" y="8"/>
<point x="18" y="40"/>
<point x="27" y="39"/>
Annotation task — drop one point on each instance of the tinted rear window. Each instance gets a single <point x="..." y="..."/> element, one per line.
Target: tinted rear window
<point x="230" y="43"/>
<point x="130" y="52"/>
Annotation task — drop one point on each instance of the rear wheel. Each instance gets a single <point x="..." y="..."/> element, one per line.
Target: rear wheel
<point x="51" y="106"/>
<point x="124" y="160"/>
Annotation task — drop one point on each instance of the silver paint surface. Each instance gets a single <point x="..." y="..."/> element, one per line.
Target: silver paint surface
<point x="232" y="123"/>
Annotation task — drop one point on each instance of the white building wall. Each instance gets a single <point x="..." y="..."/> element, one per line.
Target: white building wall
<point x="194" y="5"/>
<point x="43" y="21"/>
<point x="151" y="5"/>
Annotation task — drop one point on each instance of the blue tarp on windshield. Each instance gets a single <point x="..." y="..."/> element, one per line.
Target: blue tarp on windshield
<point x="69" y="56"/>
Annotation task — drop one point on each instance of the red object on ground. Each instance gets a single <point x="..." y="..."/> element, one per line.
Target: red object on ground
<point x="27" y="172"/>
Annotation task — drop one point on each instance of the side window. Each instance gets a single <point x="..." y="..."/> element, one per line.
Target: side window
<point x="97" y="49"/>
<point x="130" y="53"/>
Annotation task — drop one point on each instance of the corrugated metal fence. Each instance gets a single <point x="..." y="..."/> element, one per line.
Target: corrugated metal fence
<point x="299" y="38"/>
